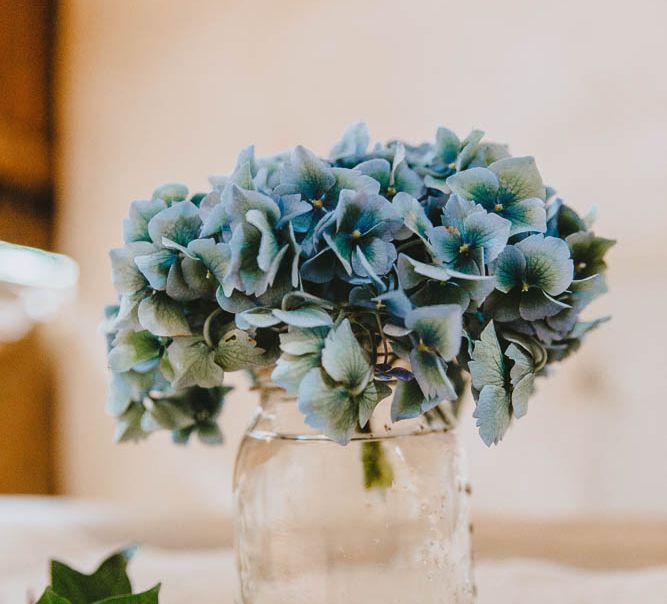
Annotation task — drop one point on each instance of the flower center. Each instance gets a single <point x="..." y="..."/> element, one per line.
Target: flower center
<point x="581" y="266"/>
<point x="499" y="207"/>
<point x="318" y="204"/>
<point x="525" y="287"/>
<point x="391" y="191"/>
<point x="356" y="234"/>
<point x="464" y="249"/>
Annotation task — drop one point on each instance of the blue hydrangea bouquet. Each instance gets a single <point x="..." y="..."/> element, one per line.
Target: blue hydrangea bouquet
<point x="396" y="272"/>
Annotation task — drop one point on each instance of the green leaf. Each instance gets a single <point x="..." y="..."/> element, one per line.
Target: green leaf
<point x="146" y="597"/>
<point x="237" y="350"/>
<point x="51" y="597"/>
<point x="194" y="363"/>
<point x="110" y="579"/>
<point x="163" y="316"/>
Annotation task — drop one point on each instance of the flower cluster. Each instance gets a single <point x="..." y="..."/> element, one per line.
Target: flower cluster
<point x="395" y="271"/>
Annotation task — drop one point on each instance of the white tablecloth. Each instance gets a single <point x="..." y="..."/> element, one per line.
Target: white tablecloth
<point x="32" y="531"/>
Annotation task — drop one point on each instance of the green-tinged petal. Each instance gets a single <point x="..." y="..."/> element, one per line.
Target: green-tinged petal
<point x="493" y="414"/>
<point x="409" y="401"/>
<point x="320" y="268"/>
<point x="352" y="180"/>
<point x="306" y="316"/>
<point x="431" y="374"/>
<point x="179" y="222"/>
<point x="412" y="213"/>
<point x="378" y="169"/>
<point x="163" y="317"/>
<point x="328" y="408"/>
<point x="237" y="350"/>
<point x="522" y="377"/>
<point x="308" y="174"/>
<point x="127" y="278"/>
<point x="194" y="363"/>
<point x="353" y="143"/>
<point x="588" y="252"/>
<point x="478" y="287"/>
<point x="155" y="267"/>
<point x="380" y="255"/>
<point x="536" y="304"/>
<point x="303" y="341"/>
<point x="510" y="268"/>
<point x="344" y="359"/>
<point x="470" y="146"/>
<point x="476" y="184"/>
<point x="527" y="215"/>
<point x="396" y="302"/>
<point x="519" y="179"/>
<point x="548" y="263"/>
<point x="369" y="399"/>
<point x="131" y="348"/>
<point x="487" y="366"/>
<point x="268" y="245"/>
<point x="187" y="281"/>
<point x="234" y="303"/>
<point x="487" y="231"/>
<point x="290" y="370"/>
<point x="171" y="192"/>
<point x="135" y="226"/>
<point x="165" y="415"/>
<point x="503" y="307"/>
<point x="214" y="256"/>
<point x="241" y="201"/>
<point x="447" y="146"/>
<point x="438" y="327"/>
<point x="258" y="317"/>
<point x="407" y="180"/>
<point x="412" y="272"/>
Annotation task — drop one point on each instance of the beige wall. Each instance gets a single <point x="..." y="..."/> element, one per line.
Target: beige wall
<point x="164" y="90"/>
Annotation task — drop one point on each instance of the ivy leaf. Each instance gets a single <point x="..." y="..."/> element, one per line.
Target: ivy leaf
<point x="237" y="350"/>
<point x="110" y="579"/>
<point x="146" y="597"/>
<point x="194" y="363"/>
<point x="51" y="597"/>
<point x="163" y="316"/>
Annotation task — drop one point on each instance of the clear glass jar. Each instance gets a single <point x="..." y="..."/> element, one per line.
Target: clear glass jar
<point x="310" y="530"/>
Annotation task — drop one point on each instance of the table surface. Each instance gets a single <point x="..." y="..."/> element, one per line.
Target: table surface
<point x="516" y="562"/>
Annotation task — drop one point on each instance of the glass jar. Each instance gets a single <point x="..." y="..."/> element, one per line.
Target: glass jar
<point x="315" y="525"/>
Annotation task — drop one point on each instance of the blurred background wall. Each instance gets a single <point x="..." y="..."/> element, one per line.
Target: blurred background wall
<point x="156" y="91"/>
<point x="27" y="33"/>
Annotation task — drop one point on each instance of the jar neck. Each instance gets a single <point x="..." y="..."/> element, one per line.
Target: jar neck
<point x="278" y="416"/>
